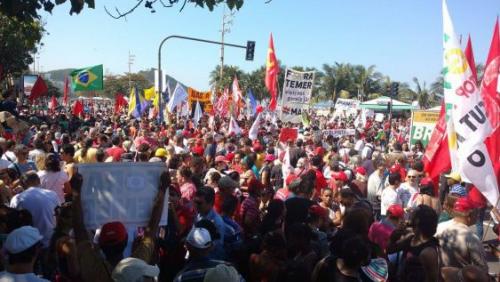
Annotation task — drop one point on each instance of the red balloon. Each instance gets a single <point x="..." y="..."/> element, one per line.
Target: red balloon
<point x="259" y="109"/>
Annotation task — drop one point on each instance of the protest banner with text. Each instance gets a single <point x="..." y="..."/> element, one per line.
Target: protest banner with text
<point x="297" y="90"/>
<point x="120" y="192"/>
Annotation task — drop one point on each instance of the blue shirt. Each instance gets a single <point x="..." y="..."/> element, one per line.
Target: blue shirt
<point x="23" y="168"/>
<point x="216" y="219"/>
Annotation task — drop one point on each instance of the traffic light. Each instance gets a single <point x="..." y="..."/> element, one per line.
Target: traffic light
<point x="394" y="89"/>
<point x="250" y="50"/>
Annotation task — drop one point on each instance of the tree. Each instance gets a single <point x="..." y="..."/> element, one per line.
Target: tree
<point x="19" y="40"/>
<point x="28" y="10"/>
<point x="227" y="77"/>
<point x="52" y="89"/>
<point x="335" y="78"/>
<point x="366" y="80"/>
<point x="114" y="84"/>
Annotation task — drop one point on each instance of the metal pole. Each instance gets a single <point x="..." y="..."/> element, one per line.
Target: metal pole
<point x="160" y="86"/>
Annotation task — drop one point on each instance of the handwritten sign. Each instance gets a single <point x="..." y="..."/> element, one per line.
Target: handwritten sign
<point x="297" y="90"/>
<point x="120" y="192"/>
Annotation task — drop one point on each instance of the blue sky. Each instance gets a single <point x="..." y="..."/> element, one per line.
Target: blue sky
<point x="401" y="37"/>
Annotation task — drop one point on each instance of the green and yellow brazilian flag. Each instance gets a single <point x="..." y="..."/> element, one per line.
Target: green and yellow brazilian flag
<point x="87" y="79"/>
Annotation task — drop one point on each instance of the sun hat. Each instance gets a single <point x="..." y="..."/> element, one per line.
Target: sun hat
<point x="22" y="239"/>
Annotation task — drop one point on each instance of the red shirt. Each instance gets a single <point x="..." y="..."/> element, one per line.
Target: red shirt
<point x="115" y="152"/>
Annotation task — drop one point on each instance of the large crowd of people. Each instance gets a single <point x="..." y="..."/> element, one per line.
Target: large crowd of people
<point x="313" y="208"/>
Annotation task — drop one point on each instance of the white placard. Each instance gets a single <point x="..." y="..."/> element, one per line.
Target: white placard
<point x="379" y="117"/>
<point x="297" y="90"/>
<point x="122" y="192"/>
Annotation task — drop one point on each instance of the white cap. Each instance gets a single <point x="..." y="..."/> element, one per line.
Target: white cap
<point x="134" y="269"/>
<point x="199" y="238"/>
<point x="22" y="239"/>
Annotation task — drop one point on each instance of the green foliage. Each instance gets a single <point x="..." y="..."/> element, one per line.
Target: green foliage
<point x="114" y="84"/>
<point x="29" y="10"/>
<point x="52" y="89"/>
<point x="18" y="41"/>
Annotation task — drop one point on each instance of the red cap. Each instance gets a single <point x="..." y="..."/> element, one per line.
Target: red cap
<point x="112" y="233"/>
<point x="395" y="168"/>
<point x="197" y="150"/>
<point x="340" y="175"/>
<point x="257" y="147"/>
<point x="396" y="211"/>
<point x="318" y="210"/>
<point x="230" y="157"/>
<point x="463" y="204"/>
<point x="220" y="159"/>
<point x="361" y="170"/>
<point x="269" y="158"/>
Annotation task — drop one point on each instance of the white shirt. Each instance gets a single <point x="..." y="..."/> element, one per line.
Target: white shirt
<point x="367" y="149"/>
<point x="460" y="246"/>
<point x="389" y="197"/>
<point x="405" y="192"/>
<point x="54" y="181"/>
<point x="41" y="204"/>
<point x="10" y="156"/>
<point x="360" y="144"/>
<point x="26" y="277"/>
<point x="374" y="186"/>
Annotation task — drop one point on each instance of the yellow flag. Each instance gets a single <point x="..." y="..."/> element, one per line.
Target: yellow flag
<point x="156" y="100"/>
<point x="149" y="93"/>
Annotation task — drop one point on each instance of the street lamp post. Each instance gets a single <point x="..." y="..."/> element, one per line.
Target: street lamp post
<point x="160" y="76"/>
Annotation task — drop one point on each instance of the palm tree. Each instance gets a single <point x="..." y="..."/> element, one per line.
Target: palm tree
<point x="437" y="88"/>
<point x="366" y="80"/>
<point x="423" y="96"/>
<point x="227" y="78"/>
<point x="335" y="78"/>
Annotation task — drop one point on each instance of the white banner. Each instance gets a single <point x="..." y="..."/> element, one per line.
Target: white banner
<point x="346" y="104"/>
<point x="297" y="90"/>
<point x="468" y="125"/>
<point x="120" y="192"/>
<point x="336" y="133"/>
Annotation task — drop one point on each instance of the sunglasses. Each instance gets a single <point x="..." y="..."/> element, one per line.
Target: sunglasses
<point x="412" y="176"/>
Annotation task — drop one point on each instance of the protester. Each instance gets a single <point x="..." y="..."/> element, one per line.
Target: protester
<point x="459" y="245"/>
<point x="315" y="207"/>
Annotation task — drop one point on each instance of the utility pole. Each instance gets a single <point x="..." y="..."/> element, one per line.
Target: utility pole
<point x="131" y="58"/>
<point x="227" y="21"/>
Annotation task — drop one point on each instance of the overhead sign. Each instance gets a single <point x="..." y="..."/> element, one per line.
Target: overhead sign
<point x="422" y="125"/>
<point x="122" y="192"/>
<point x="297" y="90"/>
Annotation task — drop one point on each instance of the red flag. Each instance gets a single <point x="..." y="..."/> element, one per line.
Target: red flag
<point x="437" y="155"/>
<point x="53" y="104"/>
<point x="39" y="89"/>
<point x="120" y="102"/>
<point x="78" y="108"/>
<point x="490" y="92"/>
<point x="272" y="70"/>
<point x="66" y="91"/>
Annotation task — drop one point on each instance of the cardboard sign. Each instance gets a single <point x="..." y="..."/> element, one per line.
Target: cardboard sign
<point x="288" y="133"/>
<point x="297" y="90"/>
<point x="379" y="117"/>
<point x="122" y="192"/>
<point x="422" y="125"/>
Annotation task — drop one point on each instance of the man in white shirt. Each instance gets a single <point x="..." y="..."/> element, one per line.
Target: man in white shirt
<point x="408" y="188"/>
<point x="375" y="183"/>
<point x="460" y="246"/>
<point x="389" y="195"/>
<point x="40" y="203"/>
<point x="23" y="247"/>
